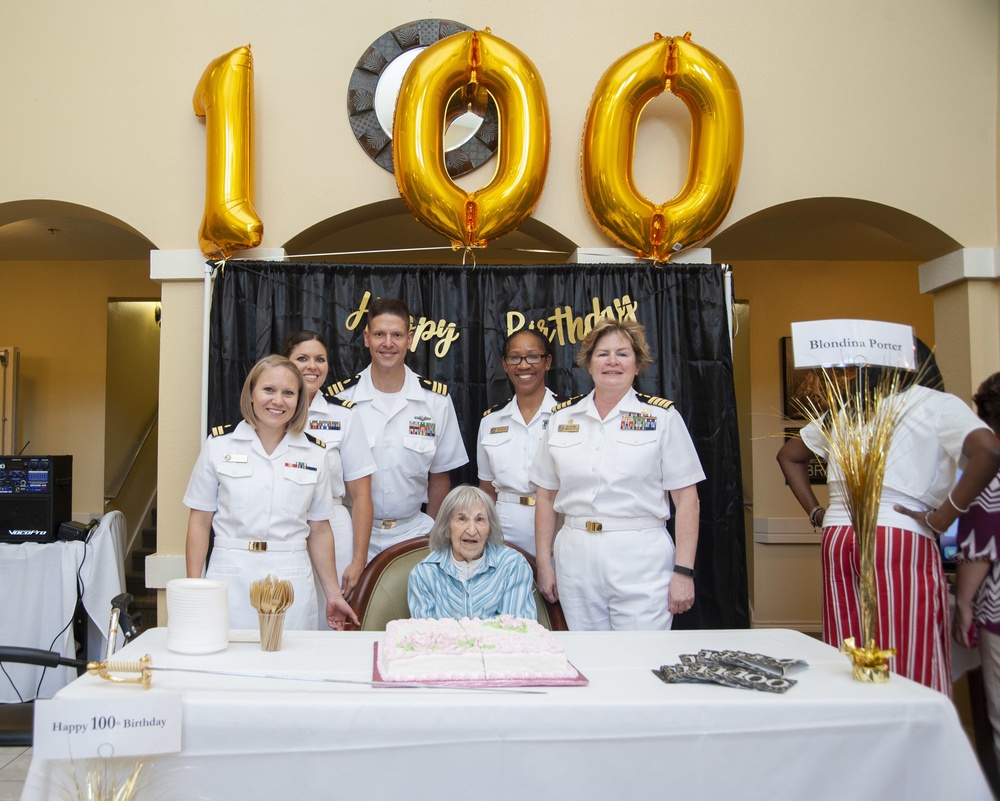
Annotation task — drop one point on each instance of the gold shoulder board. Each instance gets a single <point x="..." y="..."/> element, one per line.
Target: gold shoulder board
<point x="434" y="386"/>
<point x="653" y="400"/>
<point x="333" y="399"/>
<point x="494" y="408"/>
<point x="340" y="386"/>
<point x="569" y="402"/>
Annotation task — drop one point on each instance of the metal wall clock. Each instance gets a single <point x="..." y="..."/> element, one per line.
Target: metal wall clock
<point x="471" y="135"/>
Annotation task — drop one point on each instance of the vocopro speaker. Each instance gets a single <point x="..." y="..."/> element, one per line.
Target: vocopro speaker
<point x="36" y="493"/>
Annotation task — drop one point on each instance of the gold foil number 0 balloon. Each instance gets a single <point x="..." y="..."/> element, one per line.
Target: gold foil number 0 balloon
<point x="472" y="62"/>
<point x="224" y="96"/>
<point x="709" y="90"/>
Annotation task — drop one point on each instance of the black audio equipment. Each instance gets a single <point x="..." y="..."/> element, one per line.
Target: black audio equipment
<point x="36" y="493"/>
<point x="73" y="531"/>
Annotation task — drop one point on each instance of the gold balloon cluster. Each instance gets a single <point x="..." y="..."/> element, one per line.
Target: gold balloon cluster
<point x="454" y="75"/>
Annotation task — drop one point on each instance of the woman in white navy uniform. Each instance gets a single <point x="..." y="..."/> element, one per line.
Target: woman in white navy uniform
<point x="335" y="421"/>
<point x="608" y="462"/>
<point x="510" y="432"/>
<point x="265" y="489"/>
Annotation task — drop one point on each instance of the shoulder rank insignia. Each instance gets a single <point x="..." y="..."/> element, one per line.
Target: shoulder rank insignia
<point x="433" y="386"/>
<point x="570" y="402"/>
<point x="496" y="408"/>
<point x="314" y="440"/>
<point x="218" y="431"/>
<point x="340" y="386"/>
<point x="333" y="400"/>
<point x="652" y="400"/>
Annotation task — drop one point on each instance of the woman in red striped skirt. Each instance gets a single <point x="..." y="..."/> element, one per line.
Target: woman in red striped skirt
<point x="935" y="433"/>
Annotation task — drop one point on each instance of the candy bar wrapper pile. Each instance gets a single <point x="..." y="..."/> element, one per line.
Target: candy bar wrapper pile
<point x="734" y="669"/>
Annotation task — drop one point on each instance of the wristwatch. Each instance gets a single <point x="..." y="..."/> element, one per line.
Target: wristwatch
<point x="684" y="571"/>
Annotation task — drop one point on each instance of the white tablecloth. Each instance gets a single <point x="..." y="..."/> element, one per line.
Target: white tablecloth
<point x="38" y="594"/>
<point x="625" y="737"/>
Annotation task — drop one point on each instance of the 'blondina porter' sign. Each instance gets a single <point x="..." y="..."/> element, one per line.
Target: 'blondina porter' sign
<point x="830" y="343"/>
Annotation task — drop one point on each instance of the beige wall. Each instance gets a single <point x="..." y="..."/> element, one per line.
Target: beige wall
<point x="57" y="314"/>
<point x="133" y="381"/>
<point x="885" y="100"/>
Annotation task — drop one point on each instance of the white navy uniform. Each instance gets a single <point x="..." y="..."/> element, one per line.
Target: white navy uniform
<point x="411" y="433"/>
<point x="334" y="421"/>
<point x="506" y="447"/>
<point x="613" y="556"/>
<point x="262" y="498"/>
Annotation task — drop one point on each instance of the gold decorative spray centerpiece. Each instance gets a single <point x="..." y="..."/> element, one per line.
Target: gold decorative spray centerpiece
<point x="857" y="411"/>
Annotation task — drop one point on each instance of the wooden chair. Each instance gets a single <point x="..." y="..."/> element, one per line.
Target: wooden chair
<point x="380" y="594"/>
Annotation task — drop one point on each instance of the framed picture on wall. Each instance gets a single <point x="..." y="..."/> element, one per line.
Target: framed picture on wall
<point x="797" y="384"/>
<point x="816" y="468"/>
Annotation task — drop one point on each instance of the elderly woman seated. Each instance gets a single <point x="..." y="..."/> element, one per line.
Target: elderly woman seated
<point x="470" y="572"/>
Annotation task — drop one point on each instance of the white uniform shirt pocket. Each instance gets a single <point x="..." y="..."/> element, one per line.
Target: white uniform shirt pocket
<point x="571" y="454"/>
<point x="299" y="484"/>
<point x="500" y="452"/>
<point x="637" y="453"/>
<point x="417" y="455"/>
<point x="235" y="479"/>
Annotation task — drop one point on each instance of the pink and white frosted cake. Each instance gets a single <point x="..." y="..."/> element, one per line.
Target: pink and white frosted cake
<point x="502" y="648"/>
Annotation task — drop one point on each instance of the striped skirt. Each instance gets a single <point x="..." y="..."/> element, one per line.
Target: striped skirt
<point x="912" y="605"/>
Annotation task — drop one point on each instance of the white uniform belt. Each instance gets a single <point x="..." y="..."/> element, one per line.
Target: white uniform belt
<point x="595" y="524"/>
<point x="233" y="544"/>
<point x="505" y="496"/>
<point x="386" y="523"/>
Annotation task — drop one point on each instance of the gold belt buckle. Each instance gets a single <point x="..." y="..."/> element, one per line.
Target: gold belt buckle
<point x="258" y="545"/>
<point x="386" y="524"/>
<point x="594" y="525"/>
<point x="527" y="500"/>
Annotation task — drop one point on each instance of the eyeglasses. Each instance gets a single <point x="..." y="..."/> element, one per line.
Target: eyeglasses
<point x="531" y="358"/>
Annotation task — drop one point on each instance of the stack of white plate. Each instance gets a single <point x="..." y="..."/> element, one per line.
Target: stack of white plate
<point x="197" y="615"/>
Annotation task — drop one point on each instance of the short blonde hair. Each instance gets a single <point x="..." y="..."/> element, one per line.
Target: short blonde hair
<point x="298" y="421"/>
<point x="629" y="329"/>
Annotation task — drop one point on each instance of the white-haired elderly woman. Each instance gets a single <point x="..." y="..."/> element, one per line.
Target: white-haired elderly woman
<point x="470" y="572"/>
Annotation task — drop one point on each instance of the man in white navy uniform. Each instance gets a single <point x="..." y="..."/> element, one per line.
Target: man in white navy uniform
<point x="412" y="429"/>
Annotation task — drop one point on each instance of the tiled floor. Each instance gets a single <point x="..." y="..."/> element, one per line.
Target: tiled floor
<point x="14" y="764"/>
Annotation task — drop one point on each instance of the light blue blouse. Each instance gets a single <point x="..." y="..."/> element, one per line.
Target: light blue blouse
<point x="504" y="587"/>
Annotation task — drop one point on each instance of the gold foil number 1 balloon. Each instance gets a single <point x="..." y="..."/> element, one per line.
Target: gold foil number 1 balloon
<point x="471" y="62"/>
<point x="709" y="90"/>
<point x="224" y="96"/>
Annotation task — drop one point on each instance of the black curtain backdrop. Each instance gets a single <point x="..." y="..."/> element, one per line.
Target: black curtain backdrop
<point x="461" y="316"/>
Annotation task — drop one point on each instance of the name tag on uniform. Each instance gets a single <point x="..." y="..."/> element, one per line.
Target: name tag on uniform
<point x="569" y="427"/>
<point x="499" y="430"/>
<point x="240" y="458"/>
<point x="324" y="425"/>
<point x="300" y="465"/>
<point x="638" y="421"/>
